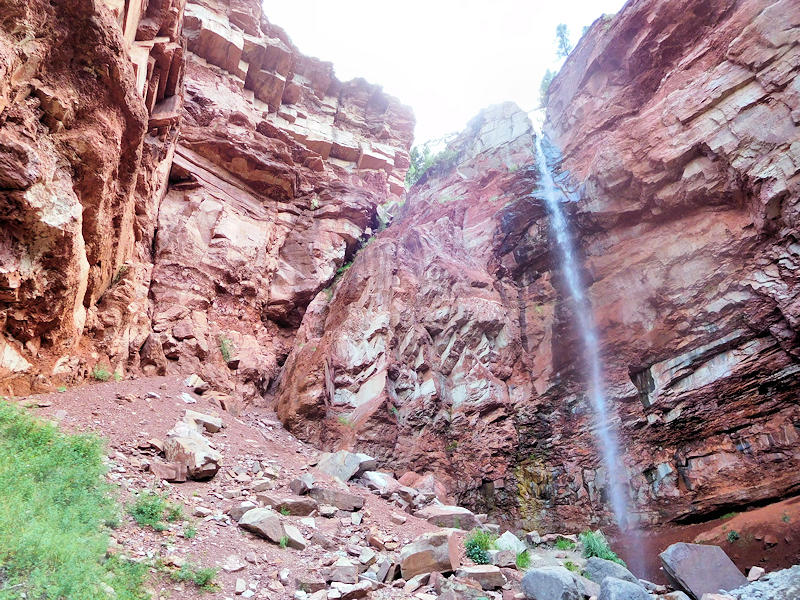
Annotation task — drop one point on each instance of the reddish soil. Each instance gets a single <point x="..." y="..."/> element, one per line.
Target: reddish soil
<point x="121" y="413"/>
<point x="768" y="536"/>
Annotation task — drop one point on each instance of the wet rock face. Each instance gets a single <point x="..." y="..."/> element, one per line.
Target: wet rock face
<point x="450" y="346"/>
<point x="690" y="176"/>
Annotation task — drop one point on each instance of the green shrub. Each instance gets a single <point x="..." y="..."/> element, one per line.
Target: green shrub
<point x="477" y="545"/>
<point x="565" y="544"/>
<point x="729" y="515"/>
<point x="201" y="577"/>
<point x="785" y="518"/>
<point x="523" y="560"/>
<point x="733" y="535"/>
<point x="55" y="501"/>
<point x="189" y="531"/>
<point x="151" y="510"/>
<point x="595" y="544"/>
<point x="62" y="388"/>
<point x="285" y="511"/>
<point x="284" y="541"/>
<point x="571" y="566"/>
<point x="100" y="373"/>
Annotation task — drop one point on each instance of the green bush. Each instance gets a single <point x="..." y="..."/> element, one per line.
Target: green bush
<point x="100" y="373"/>
<point x="284" y="541"/>
<point x="523" y="560"/>
<point x="151" y="510"/>
<point x="565" y="544"/>
<point x="54" y="506"/>
<point x="733" y="535"/>
<point x="571" y="566"/>
<point x="201" y="577"/>
<point x="595" y="544"/>
<point x="477" y="545"/>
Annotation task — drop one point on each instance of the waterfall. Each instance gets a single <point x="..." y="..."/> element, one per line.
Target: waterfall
<point x="606" y="438"/>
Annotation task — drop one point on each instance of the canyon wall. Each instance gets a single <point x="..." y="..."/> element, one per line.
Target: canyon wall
<point x="179" y="182"/>
<point x="450" y="345"/>
<point x="181" y="190"/>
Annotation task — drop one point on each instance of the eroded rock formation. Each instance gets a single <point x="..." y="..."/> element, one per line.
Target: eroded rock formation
<point x="219" y="179"/>
<point x="182" y="191"/>
<point x="450" y="345"/>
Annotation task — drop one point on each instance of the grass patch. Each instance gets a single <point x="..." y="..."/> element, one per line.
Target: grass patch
<point x="571" y="566"/>
<point x="596" y="544"/>
<point x="201" y="577"/>
<point x="285" y="511"/>
<point x="523" y="560"/>
<point x="151" y="510"/>
<point x="54" y="505"/>
<point x="729" y="515"/>
<point x="189" y="532"/>
<point x="565" y="544"/>
<point x="100" y="373"/>
<point x="478" y="544"/>
<point x="284" y="541"/>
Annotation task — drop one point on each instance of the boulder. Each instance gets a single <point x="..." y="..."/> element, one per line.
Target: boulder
<point x="488" y="576"/>
<point x="508" y="541"/>
<point x="300" y="506"/>
<point x="301" y="485"/>
<point x="238" y="510"/>
<point x="698" y="569"/>
<point x="343" y="464"/>
<point x="210" y="423"/>
<point x="192" y="450"/>
<point x="618" y="589"/>
<point x="343" y="500"/>
<point x="382" y="483"/>
<point x="295" y="538"/>
<point x="550" y="583"/>
<point x="434" y="551"/>
<point x="443" y="515"/>
<point x="264" y="522"/>
<point x="344" y="571"/>
<point x="597" y="569"/>
<point x="503" y="558"/>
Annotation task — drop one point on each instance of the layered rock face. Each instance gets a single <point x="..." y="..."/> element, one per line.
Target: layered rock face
<point x="450" y="344"/>
<point x="79" y="163"/>
<point x="219" y="179"/>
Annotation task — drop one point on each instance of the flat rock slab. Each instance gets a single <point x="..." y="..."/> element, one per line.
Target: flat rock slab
<point x="489" y="576"/>
<point x="338" y="498"/>
<point x="300" y="506"/>
<point x="443" y="515"/>
<point x="343" y="464"/>
<point x="700" y="569"/>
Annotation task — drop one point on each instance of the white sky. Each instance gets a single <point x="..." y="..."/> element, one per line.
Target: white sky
<point x="445" y="58"/>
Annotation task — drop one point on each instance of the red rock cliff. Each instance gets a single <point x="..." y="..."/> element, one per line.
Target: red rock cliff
<point x="153" y="243"/>
<point x="449" y="345"/>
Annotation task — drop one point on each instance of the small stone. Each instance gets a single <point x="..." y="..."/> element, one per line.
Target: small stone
<point x="233" y="563"/>
<point x="241" y="586"/>
<point x="398" y="518"/>
<point x="755" y="573"/>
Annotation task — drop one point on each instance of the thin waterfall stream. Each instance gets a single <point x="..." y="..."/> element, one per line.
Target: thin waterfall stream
<point x="606" y="437"/>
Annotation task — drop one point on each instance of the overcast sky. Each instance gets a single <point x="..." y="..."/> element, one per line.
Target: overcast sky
<point x="445" y="58"/>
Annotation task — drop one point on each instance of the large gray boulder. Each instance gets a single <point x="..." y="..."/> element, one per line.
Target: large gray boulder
<point x="343" y="464"/>
<point x="700" y="569"/>
<point x="618" y="589"/>
<point x="264" y="522"/>
<point x="550" y="583"/>
<point x="597" y="569"/>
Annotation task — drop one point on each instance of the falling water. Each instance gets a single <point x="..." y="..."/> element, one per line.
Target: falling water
<point x="605" y="437"/>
